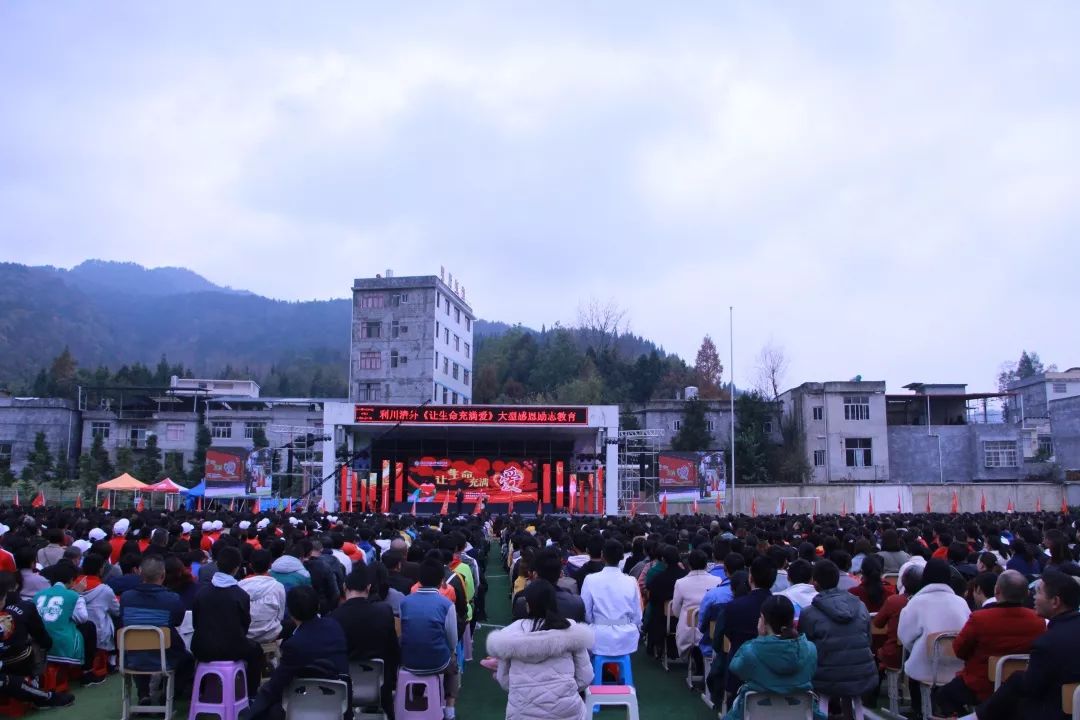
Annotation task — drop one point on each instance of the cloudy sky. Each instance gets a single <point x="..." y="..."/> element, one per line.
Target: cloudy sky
<point x="884" y="189"/>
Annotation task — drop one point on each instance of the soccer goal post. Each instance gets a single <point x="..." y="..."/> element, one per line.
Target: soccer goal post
<point x="801" y="505"/>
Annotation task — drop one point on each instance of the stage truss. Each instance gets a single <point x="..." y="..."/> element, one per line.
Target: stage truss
<point x="639" y="465"/>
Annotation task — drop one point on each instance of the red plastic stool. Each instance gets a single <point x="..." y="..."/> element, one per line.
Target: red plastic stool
<point x="56" y="677"/>
<point x="12" y="708"/>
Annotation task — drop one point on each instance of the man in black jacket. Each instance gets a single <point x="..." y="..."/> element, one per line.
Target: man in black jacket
<point x="369" y="630"/>
<point x="221" y="616"/>
<point x="392" y="559"/>
<point x="1036" y="692"/>
<point x="322" y="575"/>
<point x="316" y="649"/>
<point x="20" y="628"/>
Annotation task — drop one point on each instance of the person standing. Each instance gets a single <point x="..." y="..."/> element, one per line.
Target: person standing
<point x="612" y="605"/>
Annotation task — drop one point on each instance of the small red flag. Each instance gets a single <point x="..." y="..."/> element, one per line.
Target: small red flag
<point x="928" y="506"/>
<point x="1064" y="506"/>
<point x="446" y="504"/>
<point x="982" y="502"/>
<point x="663" y="506"/>
<point x="955" y="503"/>
<point x="753" y="506"/>
<point x="413" y="511"/>
<point x="78" y="502"/>
<point x="633" y="507"/>
<point x="39" y="499"/>
<point x="141" y="506"/>
<point x="1010" y="507"/>
<point x="783" y="507"/>
<point x="843" y="509"/>
<point x="1038" y="504"/>
<point x="198" y="504"/>
<point x="694" y="507"/>
<point x="15" y="502"/>
<point x="719" y="505"/>
<point x="232" y="504"/>
<point x="288" y="506"/>
<point x="478" y="506"/>
<point x="871" y="503"/>
<point x="105" y="504"/>
<point x="899" y="507"/>
<point x="510" y="511"/>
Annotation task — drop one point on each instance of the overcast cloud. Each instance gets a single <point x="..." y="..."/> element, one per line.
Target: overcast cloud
<point x="885" y="189"/>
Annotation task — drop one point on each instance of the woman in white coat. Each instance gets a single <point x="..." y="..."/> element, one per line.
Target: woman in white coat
<point x="935" y="608"/>
<point x="543" y="660"/>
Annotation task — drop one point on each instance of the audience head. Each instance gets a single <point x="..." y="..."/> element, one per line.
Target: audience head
<point x="936" y="571"/>
<point x="1056" y="593"/>
<point x="358" y="583"/>
<point x="1009" y="587"/>
<point x="762" y="573"/>
<point x="800" y="572"/>
<point x="152" y="570"/>
<point x="302" y="603"/>
<point x="613" y="552"/>
<point x="777" y="617"/>
<point x="826" y="575"/>
<point x="229" y="560"/>
<point x="542" y="607"/>
<point x="431" y="573"/>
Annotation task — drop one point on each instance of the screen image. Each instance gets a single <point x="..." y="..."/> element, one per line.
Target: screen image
<point x="237" y="471"/>
<point x="432" y="479"/>
<point x="693" y="473"/>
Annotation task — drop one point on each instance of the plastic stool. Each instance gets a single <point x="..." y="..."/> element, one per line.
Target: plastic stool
<point x="468" y="642"/>
<point x="613" y="696"/>
<point x="56" y="677"/>
<point x="12" y="708"/>
<point x="622" y="662"/>
<point x="418" y="697"/>
<point x="232" y="677"/>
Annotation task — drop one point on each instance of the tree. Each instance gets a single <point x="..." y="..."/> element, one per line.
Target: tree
<point x="125" y="461"/>
<point x="62" y="473"/>
<point x="198" y="460"/>
<point x="39" y="467"/>
<point x="62" y="374"/>
<point x="771" y="366"/>
<point x="601" y="322"/>
<point x="1027" y="366"/>
<point x="693" y="432"/>
<point x="174" y="467"/>
<point x="753" y="447"/>
<point x="100" y="457"/>
<point x="258" y="438"/>
<point x="708" y="370"/>
<point x="149" y="468"/>
<point x="89" y="476"/>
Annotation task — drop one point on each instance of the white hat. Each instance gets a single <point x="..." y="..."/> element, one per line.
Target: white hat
<point x="218" y="525"/>
<point x="331" y="518"/>
<point x="293" y="521"/>
<point x="4" y="529"/>
<point x="186" y="527"/>
<point x="120" y="527"/>
<point x="96" y="534"/>
<point x="207" y="525"/>
<point x="261" y="525"/>
<point x="83" y="545"/>
<point x="244" y="524"/>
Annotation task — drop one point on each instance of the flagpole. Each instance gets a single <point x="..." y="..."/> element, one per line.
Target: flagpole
<point x="731" y="393"/>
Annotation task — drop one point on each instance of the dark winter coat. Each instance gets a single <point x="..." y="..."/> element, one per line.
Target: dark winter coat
<point x="839" y="626"/>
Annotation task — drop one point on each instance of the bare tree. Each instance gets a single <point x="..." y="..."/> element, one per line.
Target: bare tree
<point x="603" y="322"/>
<point x="772" y="365"/>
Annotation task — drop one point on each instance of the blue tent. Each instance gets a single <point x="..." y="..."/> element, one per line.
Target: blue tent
<point x="196" y="492"/>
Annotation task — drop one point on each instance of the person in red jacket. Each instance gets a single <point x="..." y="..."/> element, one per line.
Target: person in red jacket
<point x="1004" y="628"/>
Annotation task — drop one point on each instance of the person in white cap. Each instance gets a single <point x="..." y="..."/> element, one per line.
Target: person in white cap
<point x="7" y="560"/>
<point x="119" y="529"/>
<point x="96" y="534"/>
<point x="185" y="530"/>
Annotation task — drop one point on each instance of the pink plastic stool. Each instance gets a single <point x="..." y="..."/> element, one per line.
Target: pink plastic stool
<point x="468" y="643"/>
<point x="418" y="697"/>
<point x="231" y="688"/>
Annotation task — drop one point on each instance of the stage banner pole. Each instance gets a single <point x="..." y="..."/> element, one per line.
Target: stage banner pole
<point x="344" y="487"/>
<point x="399" y="482"/>
<point x="601" y="499"/>
<point x="545" y="491"/>
<point x="559" y="487"/>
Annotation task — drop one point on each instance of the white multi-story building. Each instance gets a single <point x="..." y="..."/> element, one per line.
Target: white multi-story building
<point x="844" y="427"/>
<point x="412" y="341"/>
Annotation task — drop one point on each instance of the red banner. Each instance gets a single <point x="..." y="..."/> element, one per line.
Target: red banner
<point x="498" y="480"/>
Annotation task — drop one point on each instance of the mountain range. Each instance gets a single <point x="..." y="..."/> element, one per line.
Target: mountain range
<point x="111" y="314"/>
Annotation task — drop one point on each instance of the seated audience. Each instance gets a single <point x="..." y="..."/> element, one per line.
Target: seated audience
<point x="23" y="629"/>
<point x="429" y="632"/>
<point x="369" y="629"/>
<point x="689" y="592"/>
<point x="548" y="566"/>
<point x="267" y="599"/>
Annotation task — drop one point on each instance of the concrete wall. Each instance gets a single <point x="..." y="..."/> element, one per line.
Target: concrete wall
<point x="21" y="419"/>
<point x="835" y="497"/>
<point x="663" y="414"/>
<point x="1065" y="423"/>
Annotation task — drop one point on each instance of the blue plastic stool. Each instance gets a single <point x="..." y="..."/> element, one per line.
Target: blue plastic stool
<point x="461" y="656"/>
<point x="626" y="675"/>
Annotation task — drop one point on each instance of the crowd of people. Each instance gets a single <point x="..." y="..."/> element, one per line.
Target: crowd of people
<point x="784" y="604"/>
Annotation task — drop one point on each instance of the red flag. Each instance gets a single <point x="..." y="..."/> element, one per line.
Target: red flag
<point x="663" y="506"/>
<point x="232" y="504"/>
<point x="871" y="503"/>
<point x="719" y="505"/>
<point x="1064" y="506"/>
<point x="413" y="511"/>
<point x="1010" y="508"/>
<point x="15" y="502"/>
<point x="1038" y="504"/>
<point x="141" y="505"/>
<point x="753" y="506"/>
<point x="288" y="506"/>
<point x="783" y="506"/>
<point x="39" y="499"/>
<point x="899" y="507"/>
<point x="694" y="507"/>
<point x="510" y="510"/>
<point x="78" y="502"/>
<point x="198" y="504"/>
<point x="539" y="507"/>
<point x="955" y="503"/>
<point x="982" y="502"/>
<point x="928" y="506"/>
<point x="633" y="507"/>
<point x="105" y="504"/>
<point x="843" y="509"/>
<point x="386" y="497"/>
<point x="478" y="507"/>
<point x="445" y="504"/>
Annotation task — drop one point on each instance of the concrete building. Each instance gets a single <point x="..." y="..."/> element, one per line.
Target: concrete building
<point x="845" y="429"/>
<point x="667" y="416"/>
<point x="1065" y="436"/>
<point x="22" y="418"/>
<point x="965" y="439"/>
<point x="1031" y="409"/>
<point x="412" y="341"/>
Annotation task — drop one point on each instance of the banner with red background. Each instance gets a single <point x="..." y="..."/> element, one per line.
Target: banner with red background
<point x="499" y="480"/>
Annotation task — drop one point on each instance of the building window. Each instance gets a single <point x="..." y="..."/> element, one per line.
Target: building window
<point x="221" y="429"/>
<point x="457" y="315"/>
<point x="397" y="329"/>
<point x="174" y="432"/>
<point x="710" y="425"/>
<point x="1046" y="446"/>
<point x="999" y="454"/>
<point x="174" y="459"/>
<point x="819" y="458"/>
<point x="468" y="350"/>
<point x="859" y="452"/>
<point x="5" y="455"/>
<point x="446" y="366"/>
<point x="1061" y="388"/>
<point x="455" y="373"/>
<point x="766" y="427"/>
<point x="457" y="343"/>
<point x="438" y="299"/>
<point x="446" y="335"/>
<point x="397" y="358"/>
<point x="99" y="429"/>
<point x="251" y="426"/>
<point x="368" y="392"/>
<point x="399" y="299"/>
<point x="137" y="435"/>
<point x="856" y="407"/>
<point x="371" y="301"/>
<point x="465" y="375"/>
<point x="464" y="400"/>
<point x="454" y="399"/>
<point x="819" y="412"/>
<point x="435" y="390"/>
<point x="445" y="396"/>
<point x="447" y="307"/>
<point x="676" y="425"/>
<point x="371" y="330"/>
<point x="436" y="359"/>
<point x="468" y="323"/>
<point x="370" y="360"/>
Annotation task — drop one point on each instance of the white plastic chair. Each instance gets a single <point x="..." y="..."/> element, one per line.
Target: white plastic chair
<point x="367" y="681"/>
<point x="770" y="706"/>
<point x="315" y="699"/>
